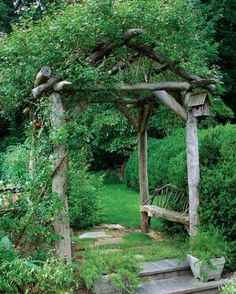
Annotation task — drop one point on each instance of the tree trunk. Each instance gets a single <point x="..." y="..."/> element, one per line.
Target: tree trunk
<point x="59" y="181"/>
<point x="143" y="177"/>
<point x="193" y="172"/>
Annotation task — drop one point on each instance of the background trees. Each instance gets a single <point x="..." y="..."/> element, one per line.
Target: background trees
<point x="65" y="35"/>
<point x="185" y="33"/>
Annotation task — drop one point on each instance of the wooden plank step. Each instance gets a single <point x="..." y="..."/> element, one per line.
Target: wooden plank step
<point x="163" y="213"/>
<point x="180" y="285"/>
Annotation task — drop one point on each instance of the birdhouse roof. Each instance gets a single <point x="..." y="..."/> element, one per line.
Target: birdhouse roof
<point x="197" y="99"/>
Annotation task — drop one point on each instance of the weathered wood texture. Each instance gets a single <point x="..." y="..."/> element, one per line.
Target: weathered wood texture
<point x="163" y="213"/>
<point x="143" y="168"/>
<point x="106" y="47"/>
<point x="62" y="86"/>
<point x="155" y="86"/>
<point x="179" y="86"/>
<point x="171" y="103"/>
<point x="43" y="76"/>
<point x="193" y="171"/>
<point x="143" y="174"/>
<point x="143" y="177"/>
<point x="59" y="181"/>
<point x="41" y="89"/>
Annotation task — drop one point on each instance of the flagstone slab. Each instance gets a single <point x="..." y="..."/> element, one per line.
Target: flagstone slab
<point x="94" y="235"/>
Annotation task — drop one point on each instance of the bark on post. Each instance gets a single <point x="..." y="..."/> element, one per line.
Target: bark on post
<point x="43" y="76"/>
<point x="193" y="172"/>
<point x="145" y="113"/>
<point x="143" y="177"/>
<point x="59" y="181"/>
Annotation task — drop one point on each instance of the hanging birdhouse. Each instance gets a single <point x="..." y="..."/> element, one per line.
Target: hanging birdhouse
<point x="199" y="103"/>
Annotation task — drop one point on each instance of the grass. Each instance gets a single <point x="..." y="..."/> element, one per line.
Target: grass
<point x="140" y="244"/>
<point x="121" y="206"/>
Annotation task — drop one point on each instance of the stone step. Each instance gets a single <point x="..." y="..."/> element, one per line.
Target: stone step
<point x="163" y="269"/>
<point x="180" y="285"/>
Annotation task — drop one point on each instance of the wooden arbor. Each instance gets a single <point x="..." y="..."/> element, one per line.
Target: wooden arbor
<point x="176" y="95"/>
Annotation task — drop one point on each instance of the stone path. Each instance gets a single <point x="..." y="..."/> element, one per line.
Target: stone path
<point x="106" y="234"/>
<point x="158" y="277"/>
<point x="94" y="235"/>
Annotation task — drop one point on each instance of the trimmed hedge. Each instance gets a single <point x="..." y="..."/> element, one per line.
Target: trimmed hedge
<point x="158" y="165"/>
<point x="167" y="164"/>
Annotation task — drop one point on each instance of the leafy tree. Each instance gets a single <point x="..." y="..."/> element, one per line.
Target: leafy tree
<point x="6" y="15"/>
<point x="225" y="14"/>
<point x="65" y="41"/>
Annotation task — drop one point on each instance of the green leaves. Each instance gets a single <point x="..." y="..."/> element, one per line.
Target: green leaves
<point x="5" y="243"/>
<point x="65" y="41"/>
<point x="207" y="244"/>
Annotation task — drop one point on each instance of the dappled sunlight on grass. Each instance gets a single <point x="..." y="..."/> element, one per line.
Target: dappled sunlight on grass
<point x="121" y="206"/>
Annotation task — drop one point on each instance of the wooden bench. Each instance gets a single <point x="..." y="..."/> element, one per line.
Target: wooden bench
<point x="166" y="198"/>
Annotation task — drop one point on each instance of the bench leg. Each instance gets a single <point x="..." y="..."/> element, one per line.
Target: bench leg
<point x="145" y="222"/>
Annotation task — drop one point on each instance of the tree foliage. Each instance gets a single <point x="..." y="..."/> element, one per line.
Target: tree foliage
<point x="225" y="14"/>
<point x="65" y="41"/>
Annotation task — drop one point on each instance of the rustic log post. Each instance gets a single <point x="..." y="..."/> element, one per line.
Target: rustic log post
<point x="59" y="180"/>
<point x="143" y="177"/>
<point x="43" y="76"/>
<point x="193" y="171"/>
<point x="144" y="115"/>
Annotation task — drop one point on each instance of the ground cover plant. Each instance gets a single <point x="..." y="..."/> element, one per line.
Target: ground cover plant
<point x="230" y="286"/>
<point x="122" y="261"/>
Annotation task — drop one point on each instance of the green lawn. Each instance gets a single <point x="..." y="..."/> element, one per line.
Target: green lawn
<point x="121" y="206"/>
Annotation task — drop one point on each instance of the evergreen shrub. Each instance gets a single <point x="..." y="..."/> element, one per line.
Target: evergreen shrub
<point x="161" y="154"/>
<point x="167" y="164"/>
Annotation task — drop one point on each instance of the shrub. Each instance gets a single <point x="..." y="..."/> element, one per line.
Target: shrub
<point x="208" y="244"/>
<point x="21" y="275"/>
<point x="167" y="164"/>
<point x="122" y="269"/>
<point x="85" y="207"/>
<point x="15" y="164"/>
<point x="158" y="165"/>
<point x="230" y="287"/>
